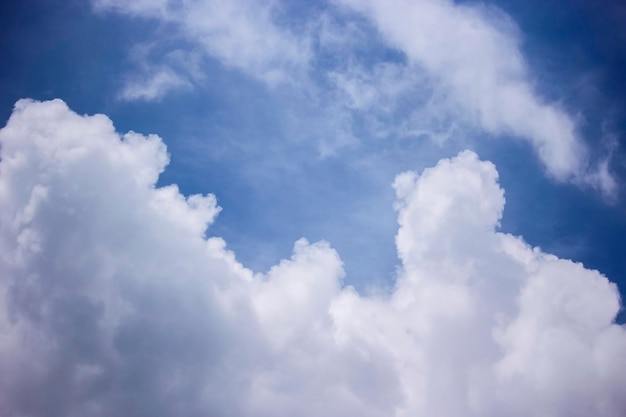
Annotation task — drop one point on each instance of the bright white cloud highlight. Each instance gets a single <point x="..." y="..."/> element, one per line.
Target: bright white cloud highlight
<point x="113" y="302"/>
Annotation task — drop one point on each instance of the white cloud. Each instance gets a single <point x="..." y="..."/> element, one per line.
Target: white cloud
<point x="464" y="70"/>
<point x="153" y="86"/>
<point x="177" y="70"/>
<point x="472" y="52"/>
<point x="113" y="302"/>
<point x="241" y="34"/>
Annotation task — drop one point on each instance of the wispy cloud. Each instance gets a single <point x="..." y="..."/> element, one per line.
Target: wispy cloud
<point x="473" y="53"/>
<point x="153" y="86"/>
<point x="464" y="58"/>
<point x="154" y="78"/>
<point x="241" y="34"/>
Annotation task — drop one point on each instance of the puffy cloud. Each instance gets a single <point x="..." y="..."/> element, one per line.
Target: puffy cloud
<point x="114" y="302"/>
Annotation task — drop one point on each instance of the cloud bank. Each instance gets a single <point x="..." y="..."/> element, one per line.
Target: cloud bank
<point x="114" y="302"/>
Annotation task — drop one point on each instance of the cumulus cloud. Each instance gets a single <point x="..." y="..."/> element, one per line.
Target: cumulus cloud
<point x="114" y="302"/>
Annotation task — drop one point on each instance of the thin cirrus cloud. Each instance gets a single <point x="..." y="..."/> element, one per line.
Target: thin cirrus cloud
<point x="155" y="86"/>
<point x="114" y="302"/>
<point x="468" y="56"/>
<point x="241" y="34"/>
<point x="473" y="53"/>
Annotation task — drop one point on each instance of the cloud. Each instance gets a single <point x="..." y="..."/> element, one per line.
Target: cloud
<point x="114" y="302"/>
<point x="176" y="70"/>
<point x="241" y="34"/>
<point x="462" y="69"/>
<point x="473" y="53"/>
<point x="155" y="86"/>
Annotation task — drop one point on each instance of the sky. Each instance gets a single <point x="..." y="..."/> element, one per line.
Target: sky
<point x="292" y="208"/>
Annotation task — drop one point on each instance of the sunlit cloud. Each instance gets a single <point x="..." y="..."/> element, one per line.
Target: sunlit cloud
<point x="114" y="302"/>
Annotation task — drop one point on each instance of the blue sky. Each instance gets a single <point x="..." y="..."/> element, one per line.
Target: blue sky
<point x="298" y="117"/>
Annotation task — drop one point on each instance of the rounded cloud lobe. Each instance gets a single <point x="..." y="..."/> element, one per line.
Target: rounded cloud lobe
<point x="114" y="302"/>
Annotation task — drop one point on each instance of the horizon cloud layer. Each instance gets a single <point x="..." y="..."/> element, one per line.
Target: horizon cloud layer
<point x="114" y="302"/>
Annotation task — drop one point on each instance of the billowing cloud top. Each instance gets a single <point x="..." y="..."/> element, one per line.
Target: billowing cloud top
<point x="114" y="302"/>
